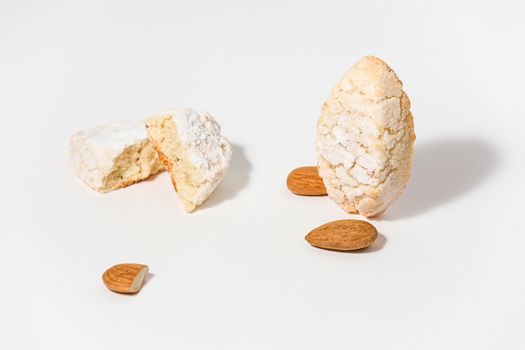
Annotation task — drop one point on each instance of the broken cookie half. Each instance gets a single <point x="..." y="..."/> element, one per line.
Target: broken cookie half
<point x="195" y="153"/>
<point x="112" y="156"/>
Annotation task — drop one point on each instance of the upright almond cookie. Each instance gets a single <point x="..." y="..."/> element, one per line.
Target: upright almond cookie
<point x="365" y="137"/>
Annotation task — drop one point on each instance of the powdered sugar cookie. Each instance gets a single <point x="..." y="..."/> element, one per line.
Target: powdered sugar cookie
<point x="365" y="137"/>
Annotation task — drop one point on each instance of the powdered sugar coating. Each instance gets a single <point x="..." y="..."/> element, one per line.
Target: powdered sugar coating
<point x="200" y="135"/>
<point x="113" y="136"/>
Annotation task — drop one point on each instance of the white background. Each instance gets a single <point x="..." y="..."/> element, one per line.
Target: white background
<point x="447" y="270"/>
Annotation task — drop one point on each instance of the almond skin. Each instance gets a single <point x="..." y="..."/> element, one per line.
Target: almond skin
<point x="305" y="181"/>
<point x="343" y="235"/>
<point x="125" y="278"/>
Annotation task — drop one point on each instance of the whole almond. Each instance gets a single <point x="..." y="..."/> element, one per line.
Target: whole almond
<point x="343" y="235"/>
<point x="305" y="181"/>
<point x="125" y="278"/>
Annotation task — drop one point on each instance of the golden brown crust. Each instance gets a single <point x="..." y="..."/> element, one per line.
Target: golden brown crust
<point x="167" y="163"/>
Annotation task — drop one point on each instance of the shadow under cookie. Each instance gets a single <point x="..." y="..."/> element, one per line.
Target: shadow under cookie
<point x="443" y="171"/>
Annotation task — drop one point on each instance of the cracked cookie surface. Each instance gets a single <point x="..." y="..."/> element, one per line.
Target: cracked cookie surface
<point x="365" y="137"/>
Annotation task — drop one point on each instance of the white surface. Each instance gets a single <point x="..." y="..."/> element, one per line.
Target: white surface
<point x="447" y="272"/>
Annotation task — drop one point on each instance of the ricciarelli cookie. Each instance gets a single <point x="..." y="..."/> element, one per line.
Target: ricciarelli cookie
<point x="365" y="137"/>
<point x="195" y="153"/>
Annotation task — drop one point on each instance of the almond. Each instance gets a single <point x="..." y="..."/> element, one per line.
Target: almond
<point x="305" y="181"/>
<point x="125" y="278"/>
<point x="343" y="235"/>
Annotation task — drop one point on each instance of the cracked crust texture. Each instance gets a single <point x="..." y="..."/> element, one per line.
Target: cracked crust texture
<point x="365" y="137"/>
<point x="195" y="153"/>
<point x="113" y="156"/>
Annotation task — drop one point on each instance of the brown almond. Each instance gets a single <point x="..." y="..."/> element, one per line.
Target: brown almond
<point x="343" y="235"/>
<point x="305" y="181"/>
<point x="125" y="278"/>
